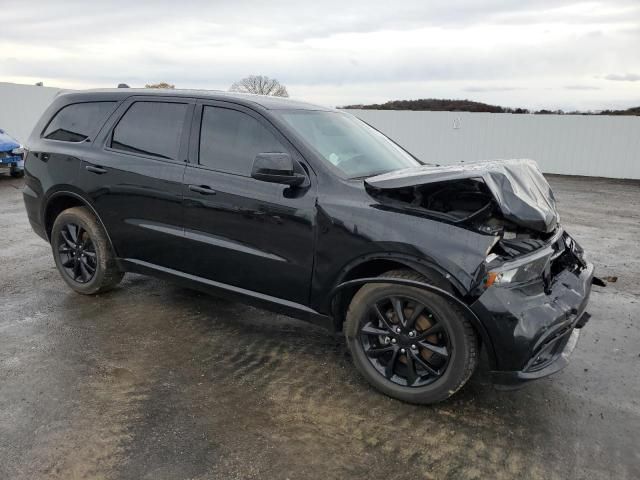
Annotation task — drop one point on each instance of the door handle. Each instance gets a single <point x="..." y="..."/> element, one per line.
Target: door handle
<point x="203" y="189"/>
<point x="94" y="169"/>
<point x="44" y="156"/>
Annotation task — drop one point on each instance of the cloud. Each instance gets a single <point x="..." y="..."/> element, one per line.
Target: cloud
<point x="360" y="51"/>
<point x="627" y="77"/>
<point x="581" y="87"/>
<point x="490" y="89"/>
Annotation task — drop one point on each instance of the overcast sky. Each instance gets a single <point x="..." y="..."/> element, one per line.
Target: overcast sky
<point x="553" y="54"/>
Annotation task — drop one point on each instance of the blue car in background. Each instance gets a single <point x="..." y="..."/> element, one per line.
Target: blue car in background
<point x="11" y="155"/>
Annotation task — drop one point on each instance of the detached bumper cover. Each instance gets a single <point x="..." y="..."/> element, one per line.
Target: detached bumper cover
<point x="534" y="331"/>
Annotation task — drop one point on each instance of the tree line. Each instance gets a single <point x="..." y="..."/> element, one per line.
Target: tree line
<point x="450" y="105"/>
<point x="263" y="85"/>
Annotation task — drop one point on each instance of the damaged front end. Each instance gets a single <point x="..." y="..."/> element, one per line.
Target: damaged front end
<point x="533" y="306"/>
<point x="532" y="289"/>
<point x="509" y="198"/>
<point x="11" y="153"/>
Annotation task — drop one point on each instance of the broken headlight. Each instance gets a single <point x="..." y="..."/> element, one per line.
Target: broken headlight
<point x="524" y="270"/>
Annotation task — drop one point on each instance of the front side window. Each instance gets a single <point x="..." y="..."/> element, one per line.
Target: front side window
<point x="151" y="128"/>
<point x="76" y="122"/>
<point x="349" y="144"/>
<point x="230" y="140"/>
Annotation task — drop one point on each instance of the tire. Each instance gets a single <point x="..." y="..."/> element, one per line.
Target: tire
<point x="457" y="355"/>
<point x="16" y="173"/>
<point x="94" y="257"/>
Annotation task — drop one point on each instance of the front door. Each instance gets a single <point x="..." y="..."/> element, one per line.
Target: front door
<point x="239" y="231"/>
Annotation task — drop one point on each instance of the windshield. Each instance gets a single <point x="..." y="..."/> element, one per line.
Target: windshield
<point x="350" y="145"/>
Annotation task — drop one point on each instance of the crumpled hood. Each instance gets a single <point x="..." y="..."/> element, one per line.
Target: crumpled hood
<point x="7" y="143"/>
<point x="518" y="187"/>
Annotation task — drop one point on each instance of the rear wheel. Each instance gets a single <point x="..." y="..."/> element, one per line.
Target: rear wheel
<point x="82" y="252"/>
<point x="410" y="343"/>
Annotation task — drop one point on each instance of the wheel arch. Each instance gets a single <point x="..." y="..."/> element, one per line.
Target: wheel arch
<point x="371" y="269"/>
<point x="60" y="201"/>
<point x="373" y="265"/>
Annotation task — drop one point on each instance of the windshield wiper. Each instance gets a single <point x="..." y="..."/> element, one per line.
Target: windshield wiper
<point x="373" y="174"/>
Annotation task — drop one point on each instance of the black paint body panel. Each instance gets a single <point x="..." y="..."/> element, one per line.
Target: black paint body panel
<point x="278" y="247"/>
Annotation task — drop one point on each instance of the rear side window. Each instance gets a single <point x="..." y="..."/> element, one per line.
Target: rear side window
<point x="230" y="140"/>
<point x="76" y="122"/>
<point x="151" y="128"/>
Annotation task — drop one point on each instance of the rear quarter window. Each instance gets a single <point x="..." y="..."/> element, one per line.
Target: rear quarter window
<point x="78" y="121"/>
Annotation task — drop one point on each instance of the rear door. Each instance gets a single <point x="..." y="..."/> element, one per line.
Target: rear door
<point x="240" y="231"/>
<point x="134" y="178"/>
<point x="58" y="147"/>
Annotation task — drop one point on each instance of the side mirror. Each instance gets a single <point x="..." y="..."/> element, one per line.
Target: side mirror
<point x="276" y="168"/>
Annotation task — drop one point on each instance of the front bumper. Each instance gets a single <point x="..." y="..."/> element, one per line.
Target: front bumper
<point x="533" y="330"/>
<point x="553" y="358"/>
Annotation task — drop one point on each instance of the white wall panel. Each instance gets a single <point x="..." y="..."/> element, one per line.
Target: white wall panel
<point x="601" y="146"/>
<point x="21" y="107"/>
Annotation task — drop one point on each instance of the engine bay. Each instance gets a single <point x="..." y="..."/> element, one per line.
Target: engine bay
<point x="467" y="203"/>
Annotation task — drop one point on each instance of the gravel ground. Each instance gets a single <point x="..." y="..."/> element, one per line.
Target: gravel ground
<point x="156" y="381"/>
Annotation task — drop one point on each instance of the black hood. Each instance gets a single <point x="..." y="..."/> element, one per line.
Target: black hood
<point x="518" y="187"/>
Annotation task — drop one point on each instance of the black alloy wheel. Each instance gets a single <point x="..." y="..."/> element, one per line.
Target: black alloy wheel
<point x="83" y="253"/>
<point x="405" y="341"/>
<point x="77" y="253"/>
<point x="410" y="343"/>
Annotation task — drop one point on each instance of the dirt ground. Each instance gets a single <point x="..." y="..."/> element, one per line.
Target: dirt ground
<point x="153" y="381"/>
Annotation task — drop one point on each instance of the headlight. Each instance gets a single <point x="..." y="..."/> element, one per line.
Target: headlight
<point x="18" y="151"/>
<point x="525" y="270"/>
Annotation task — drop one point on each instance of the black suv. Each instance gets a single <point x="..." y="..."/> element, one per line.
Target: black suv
<point x="310" y="212"/>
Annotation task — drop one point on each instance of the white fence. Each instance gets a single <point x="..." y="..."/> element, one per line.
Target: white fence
<point x="21" y="107"/>
<point x="600" y="146"/>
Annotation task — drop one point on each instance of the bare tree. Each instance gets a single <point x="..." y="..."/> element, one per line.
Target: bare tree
<point x="261" y="85"/>
<point x="159" y="85"/>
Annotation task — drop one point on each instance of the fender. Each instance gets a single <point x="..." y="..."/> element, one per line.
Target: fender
<point x="473" y="318"/>
<point x="86" y="203"/>
<point x="416" y="263"/>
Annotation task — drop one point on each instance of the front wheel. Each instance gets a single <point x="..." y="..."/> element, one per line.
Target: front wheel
<point x="82" y="252"/>
<point x="410" y="343"/>
<point x="15" y="173"/>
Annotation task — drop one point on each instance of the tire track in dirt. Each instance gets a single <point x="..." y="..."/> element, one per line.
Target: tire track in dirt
<point x="315" y="406"/>
<point x="109" y="382"/>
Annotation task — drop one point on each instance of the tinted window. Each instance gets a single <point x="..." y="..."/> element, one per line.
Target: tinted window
<point x="74" y="123"/>
<point x="151" y="128"/>
<point x="230" y="140"/>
